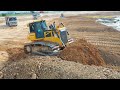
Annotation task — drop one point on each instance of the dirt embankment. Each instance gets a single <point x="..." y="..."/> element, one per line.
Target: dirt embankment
<point x="85" y="53"/>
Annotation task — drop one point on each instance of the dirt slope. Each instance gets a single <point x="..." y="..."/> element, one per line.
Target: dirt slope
<point x="83" y="52"/>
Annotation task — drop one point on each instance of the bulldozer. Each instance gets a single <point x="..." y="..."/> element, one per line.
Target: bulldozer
<point x="46" y="40"/>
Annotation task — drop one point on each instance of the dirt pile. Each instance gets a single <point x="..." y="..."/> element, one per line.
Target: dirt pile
<point x="16" y="54"/>
<point x="83" y="52"/>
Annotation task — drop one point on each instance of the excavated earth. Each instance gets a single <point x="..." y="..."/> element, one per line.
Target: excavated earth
<point x="83" y="52"/>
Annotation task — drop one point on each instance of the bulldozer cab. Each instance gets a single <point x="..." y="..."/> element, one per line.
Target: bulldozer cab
<point x="40" y="29"/>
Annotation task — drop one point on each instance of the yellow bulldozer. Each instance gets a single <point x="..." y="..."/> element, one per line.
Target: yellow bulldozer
<point x="46" y="40"/>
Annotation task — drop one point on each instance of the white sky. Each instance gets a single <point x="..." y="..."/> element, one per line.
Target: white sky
<point x="12" y="11"/>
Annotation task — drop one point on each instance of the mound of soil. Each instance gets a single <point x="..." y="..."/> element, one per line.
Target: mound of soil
<point x="83" y="52"/>
<point x="16" y="54"/>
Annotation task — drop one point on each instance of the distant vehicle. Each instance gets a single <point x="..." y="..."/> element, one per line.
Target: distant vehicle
<point x="35" y="15"/>
<point x="41" y="11"/>
<point x="11" y="21"/>
<point x="62" y="15"/>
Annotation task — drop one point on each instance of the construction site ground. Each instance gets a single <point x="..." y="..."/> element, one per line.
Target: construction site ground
<point x="101" y="42"/>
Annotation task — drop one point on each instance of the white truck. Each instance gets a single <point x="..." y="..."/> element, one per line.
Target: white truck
<point x="11" y="21"/>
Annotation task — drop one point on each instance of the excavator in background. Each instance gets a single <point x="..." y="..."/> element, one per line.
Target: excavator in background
<point x="46" y="40"/>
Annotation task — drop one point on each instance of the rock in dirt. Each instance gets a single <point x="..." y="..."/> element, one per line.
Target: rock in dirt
<point x="82" y="52"/>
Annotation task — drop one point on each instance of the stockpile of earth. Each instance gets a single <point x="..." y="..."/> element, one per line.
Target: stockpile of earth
<point x="83" y="52"/>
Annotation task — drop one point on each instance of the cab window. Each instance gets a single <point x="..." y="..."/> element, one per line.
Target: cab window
<point x="31" y="28"/>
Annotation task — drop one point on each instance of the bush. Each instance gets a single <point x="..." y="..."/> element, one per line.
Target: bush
<point x="3" y="14"/>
